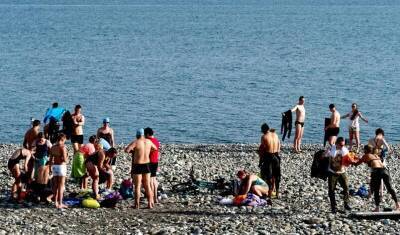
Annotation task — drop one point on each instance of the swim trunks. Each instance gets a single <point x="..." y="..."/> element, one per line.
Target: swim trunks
<point x="332" y="131"/>
<point x="59" y="170"/>
<point x="77" y="139"/>
<point x="299" y="123"/>
<point x="138" y="169"/>
<point x="271" y="166"/>
<point x="153" y="169"/>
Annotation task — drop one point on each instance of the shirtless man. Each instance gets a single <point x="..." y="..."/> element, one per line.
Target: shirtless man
<point x="332" y="130"/>
<point x="299" y="123"/>
<point x="31" y="135"/>
<point x="270" y="161"/>
<point x="141" y="148"/>
<point x="77" y="132"/>
<point x="58" y="165"/>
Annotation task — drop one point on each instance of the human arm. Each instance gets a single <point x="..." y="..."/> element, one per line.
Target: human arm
<point x="363" y="118"/>
<point x="294" y="109"/>
<point x="130" y="147"/>
<point x="26" y="163"/>
<point x="247" y="184"/>
<point x="101" y="164"/>
<point x="345" y="116"/>
<point x="112" y="138"/>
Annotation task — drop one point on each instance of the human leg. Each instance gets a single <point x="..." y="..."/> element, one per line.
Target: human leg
<point x="332" y="181"/>
<point x="387" y="181"/>
<point x="344" y="183"/>
<point x="148" y="190"/>
<point x="137" y="180"/>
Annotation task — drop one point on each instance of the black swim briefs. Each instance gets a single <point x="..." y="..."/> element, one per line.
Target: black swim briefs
<point x="153" y="169"/>
<point x="299" y="123"/>
<point x="77" y="139"/>
<point x="138" y="169"/>
<point x="332" y="131"/>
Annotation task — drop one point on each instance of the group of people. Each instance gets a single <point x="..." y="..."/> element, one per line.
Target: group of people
<point x="43" y="159"/>
<point x="267" y="183"/>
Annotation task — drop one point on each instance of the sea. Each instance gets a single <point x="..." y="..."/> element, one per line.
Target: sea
<point x="200" y="71"/>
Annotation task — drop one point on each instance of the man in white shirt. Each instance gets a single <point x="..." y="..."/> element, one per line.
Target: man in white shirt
<point x="338" y="173"/>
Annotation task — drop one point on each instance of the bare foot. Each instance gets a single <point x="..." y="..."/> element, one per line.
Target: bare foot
<point x="62" y="206"/>
<point x="135" y="207"/>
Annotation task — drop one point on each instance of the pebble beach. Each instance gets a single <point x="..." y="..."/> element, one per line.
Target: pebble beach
<point x="303" y="207"/>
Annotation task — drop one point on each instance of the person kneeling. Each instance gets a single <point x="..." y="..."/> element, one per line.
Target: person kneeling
<point x="99" y="169"/>
<point x="252" y="183"/>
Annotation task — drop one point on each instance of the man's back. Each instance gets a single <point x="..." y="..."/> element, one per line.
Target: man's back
<point x="142" y="151"/>
<point x="271" y="142"/>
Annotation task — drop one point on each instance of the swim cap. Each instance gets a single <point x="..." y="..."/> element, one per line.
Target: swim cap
<point x="106" y="120"/>
<point x="140" y="132"/>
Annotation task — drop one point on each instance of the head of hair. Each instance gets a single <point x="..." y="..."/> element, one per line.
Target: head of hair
<point x="92" y="139"/>
<point x="40" y="135"/>
<point x="301" y="98"/>
<point x="78" y="106"/>
<point x="55" y="105"/>
<point x="240" y="174"/>
<point x="148" y="131"/>
<point x="379" y="131"/>
<point x="36" y="123"/>
<point x="331" y="106"/>
<point x="368" y="149"/>
<point x="112" y="151"/>
<point x="339" y="140"/>
<point x="264" y="128"/>
<point x="61" y="136"/>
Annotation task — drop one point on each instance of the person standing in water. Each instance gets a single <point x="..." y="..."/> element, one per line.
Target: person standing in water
<point x="354" y="125"/>
<point x="299" y="124"/>
<point x="333" y="129"/>
<point x="77" y="132"/>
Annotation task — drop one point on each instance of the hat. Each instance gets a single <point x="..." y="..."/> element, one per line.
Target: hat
<point x="106" y="120"/>
<point x="140" y="132"/>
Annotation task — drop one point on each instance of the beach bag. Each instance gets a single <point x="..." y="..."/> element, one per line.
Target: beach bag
<point x="111" y="200"/>
<point x="126" y="189"/>
<point x="362" y="191"/>
<point x="78" y="166"/>
<point x="90" y="203"/>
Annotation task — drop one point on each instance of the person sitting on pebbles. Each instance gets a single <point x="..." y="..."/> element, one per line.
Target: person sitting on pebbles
<point x="378" y="173"/>
<point x="14" y="167"/>
<point x="99" y="168"/>
<point x="252" y="183"/>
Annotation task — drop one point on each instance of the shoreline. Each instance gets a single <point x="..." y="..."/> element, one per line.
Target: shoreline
<point x="302" y="208"/>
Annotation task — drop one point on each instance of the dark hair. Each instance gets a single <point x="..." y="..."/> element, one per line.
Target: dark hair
<point x="92" y="139"/>
<point x="112" y="151"/>
<point x="379" y="131"/>
<point x="40" y="135"/>
<point x="55" y="105"/>
<point x="148" y="131"/>
<point x="36" y="123"/>
<point x="339" y="139"/>
<point x="331" y="106"/>
<point x="61" y="136"/>
<point x="301" y="97"/>
<point x="368" y="148"/>
<point x="78" y="106"/>
<point x="354" y="115"/>
<point x="264" y="128"/>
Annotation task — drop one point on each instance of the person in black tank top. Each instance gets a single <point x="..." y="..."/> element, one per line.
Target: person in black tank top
<point x="14" y="167"/>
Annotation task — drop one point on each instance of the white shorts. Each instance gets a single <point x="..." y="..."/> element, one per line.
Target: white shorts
<point x="59" y="170"/>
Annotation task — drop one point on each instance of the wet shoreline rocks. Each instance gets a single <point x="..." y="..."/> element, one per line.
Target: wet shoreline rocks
<point x="302" y="209"/>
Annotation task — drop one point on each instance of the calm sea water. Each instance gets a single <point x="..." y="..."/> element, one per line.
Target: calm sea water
<point x="199" y="71"/>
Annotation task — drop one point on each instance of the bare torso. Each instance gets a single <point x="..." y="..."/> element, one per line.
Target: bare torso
<point x="142" y="151"/>
<point x="335" y="119"/>
<point x="271" y="143"/>
<point x="59" y="154"/>
<point x="30" y="137"/>
<point x="79" y="121"/>
<point x="372" y="160"/>
<point x="300" y="113"/>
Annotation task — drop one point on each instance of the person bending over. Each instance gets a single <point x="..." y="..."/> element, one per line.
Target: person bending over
<point x="14" y="166"/>
<point x="252" y="183"/>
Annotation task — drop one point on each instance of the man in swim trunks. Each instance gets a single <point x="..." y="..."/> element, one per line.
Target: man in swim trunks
<point x="270" y="161"/>
<point x="299" y="123"/>
<point x="141" y="148"/>
<point x="31" y="135"/>
<point x="77" y="132"/>
<point x="149" y="134"/>
<point x="337" y="173"/>
<point x="333" y="129"/>
<point x="58" y="165"/>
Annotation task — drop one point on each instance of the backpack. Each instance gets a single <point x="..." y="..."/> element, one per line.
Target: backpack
<point x="320" y="164"/>
<point x="126" y="189"/>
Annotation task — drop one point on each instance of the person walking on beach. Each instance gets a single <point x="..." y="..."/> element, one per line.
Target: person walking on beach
<point x="337" y="173"/>
<point x="58" y="163"/>
<point x="378" y="174"/>
<point x="141" y="148"/>
<point x="354" y="125"/>
<point x="299" y="123"/>
<point x="333" y="129"/>
<point x="154" y="155"/>
<point x="31" y="135"/>
<point x="77" y="132"/>
<point x="107" y="133"/>
<point x="270" y="161"/>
